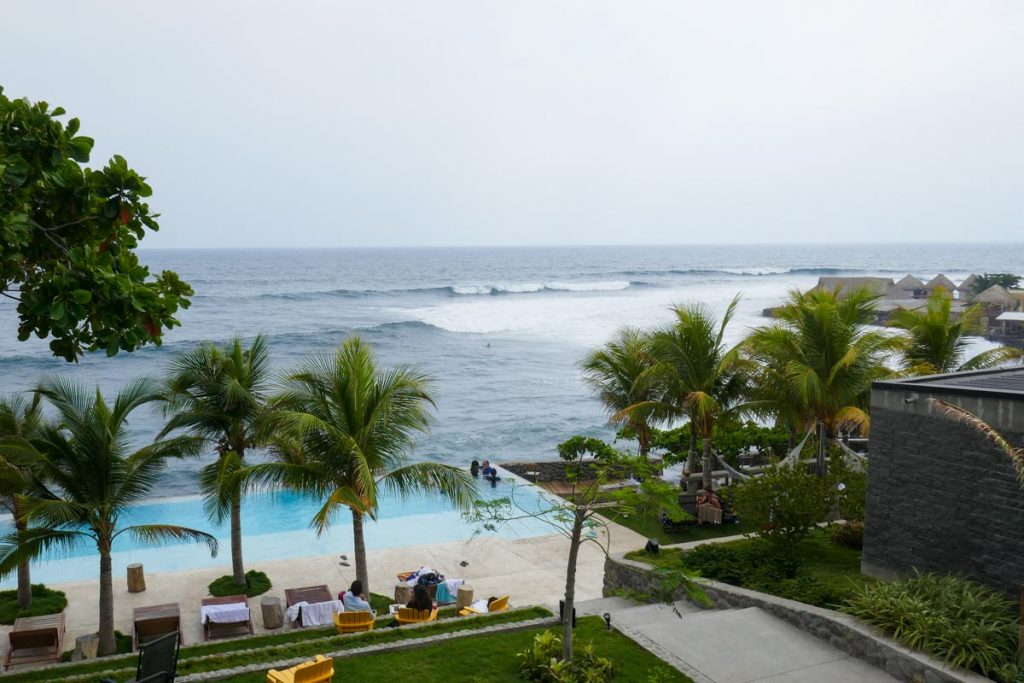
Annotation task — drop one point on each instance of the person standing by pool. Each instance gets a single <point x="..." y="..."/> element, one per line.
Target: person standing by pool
<point x="355" y="599"/>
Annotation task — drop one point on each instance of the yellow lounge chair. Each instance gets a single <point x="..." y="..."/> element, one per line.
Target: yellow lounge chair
<point x="408" y="615"/>
<point x="350" y="622"/>
<point x="320" y="670"/>
<point x="499" y="605"/>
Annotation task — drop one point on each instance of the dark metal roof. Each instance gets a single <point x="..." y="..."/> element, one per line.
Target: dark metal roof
<point x="1008" y="383"/>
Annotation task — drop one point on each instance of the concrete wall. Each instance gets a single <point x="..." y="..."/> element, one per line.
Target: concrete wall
<point x="940" y="498"/>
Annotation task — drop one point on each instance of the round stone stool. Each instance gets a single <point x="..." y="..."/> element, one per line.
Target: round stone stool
<point x="464" y="597"/>
<point x="273" y="617"/>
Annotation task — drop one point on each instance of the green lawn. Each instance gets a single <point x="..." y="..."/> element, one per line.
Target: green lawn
<point x="650" y="527"/>
<point x="275" y="647"/>
<point x="490" y="658"/>
<point x="820" y="571"/>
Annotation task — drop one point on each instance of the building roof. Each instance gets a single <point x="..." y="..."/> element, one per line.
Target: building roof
<point x="941" y="280"/>
<point x="1004" y="383"/>
<point x="968" y="284"/>
<point x="909" y="283"/>
<point x="876" y="285"/>
<point x="996" y="294"/>
<point x="1011" y="316"/>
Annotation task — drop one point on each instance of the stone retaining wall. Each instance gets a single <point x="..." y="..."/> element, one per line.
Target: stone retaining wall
<point x="553" y="470"/>
<point x="840" y="630"/>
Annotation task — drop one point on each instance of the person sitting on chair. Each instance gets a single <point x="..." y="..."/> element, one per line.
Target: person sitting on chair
<point x="355" y="599"/>
<point x="709" y="498"/>
<point x="420" y="598"/>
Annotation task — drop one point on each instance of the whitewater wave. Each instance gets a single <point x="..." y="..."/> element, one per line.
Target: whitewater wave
<point x="464" y="290"/>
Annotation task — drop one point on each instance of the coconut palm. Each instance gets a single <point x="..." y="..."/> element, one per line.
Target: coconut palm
<point x="219" y="394"/>
<point x="700" y="377"/>
<point x="617" y="372"/>
<point x="344" y="427"/>
<point x="20" y="417"/>
<point x="1015" y="454"/>
<point x="936" y="341"/>
<point x="88" y="477"/>
<point x="826" y="354"/>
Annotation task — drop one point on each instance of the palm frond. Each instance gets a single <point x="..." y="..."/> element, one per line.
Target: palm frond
<point x="163" y="534"/>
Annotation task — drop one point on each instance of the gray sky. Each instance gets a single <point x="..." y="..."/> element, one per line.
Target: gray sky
<point x="482" y="122"/>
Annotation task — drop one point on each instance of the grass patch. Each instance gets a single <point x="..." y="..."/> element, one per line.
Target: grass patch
<point x="818" y="571"/>
<point x="650" y="527"/>
<point x="256" y="583"/>
<point x="492" y="658"/>
<point x="44" y="601"/>
<point x="274" y="647"/>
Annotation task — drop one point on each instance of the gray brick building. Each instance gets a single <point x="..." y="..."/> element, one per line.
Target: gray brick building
<point x="940" y="497"/>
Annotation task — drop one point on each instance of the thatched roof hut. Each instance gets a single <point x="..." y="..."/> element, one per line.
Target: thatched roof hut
<point x="910" y="283"/>
<point x="875" y="285"/>
<point x="997" y="296"/>
<point x="967" y="286"/>
<point x="940" y="280"/>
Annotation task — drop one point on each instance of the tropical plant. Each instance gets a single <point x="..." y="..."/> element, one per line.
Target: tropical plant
<point x="618" y="374"/>
<point x="785" y="501"/>
<point x="1015" y="454"/>
<point x="541" y="662"/>
<point x="68" y="235"/>
<point x="936" y="340"/>
<point x="219" y="394"/>
<point x="87" y="478"/>
<point x="823" y="355"/>
<point x="20" y="417"/>
<point x="344" y="427"/>
<point x="701" y="378"/>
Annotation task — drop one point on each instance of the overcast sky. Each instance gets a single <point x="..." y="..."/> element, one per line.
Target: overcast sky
<point x="544" y="122"/>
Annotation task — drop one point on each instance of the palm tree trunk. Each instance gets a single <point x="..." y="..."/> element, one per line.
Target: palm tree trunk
<point x="706" y="462"/>
<point x="643" y="436"/>
<point x="570" y="584"/>
<point x="24" y="576"/>
<point x="360" y="551"/>
<point x="691" y="460"/>
<point x="107" y="644"/>
<point x="236" y="540"/>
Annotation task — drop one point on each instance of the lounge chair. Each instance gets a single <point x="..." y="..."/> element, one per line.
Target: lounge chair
<point x="155" y="621"/>
<point x="350" y="622"/>
<point x="310" y="594"/>
<point x="158" y="660"/>
<point x="209" y="627"/>
<point x="498" y="605"/>
<point x="409" y="615"/>
<point x="709" y="514"/>
<point x="319" y="670"/>
<point x="35" y="639"/>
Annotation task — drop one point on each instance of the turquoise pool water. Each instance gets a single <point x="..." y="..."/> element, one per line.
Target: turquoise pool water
<point x="276" y="527"/>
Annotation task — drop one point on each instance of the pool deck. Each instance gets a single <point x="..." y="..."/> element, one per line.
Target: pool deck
<point x="530" y="570"/>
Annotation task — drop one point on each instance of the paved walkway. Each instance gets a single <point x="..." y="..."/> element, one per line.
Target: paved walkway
<point x="732" y="646"/>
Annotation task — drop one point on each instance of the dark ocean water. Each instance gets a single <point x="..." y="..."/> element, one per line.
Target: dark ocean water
<point x="500" y="329"/>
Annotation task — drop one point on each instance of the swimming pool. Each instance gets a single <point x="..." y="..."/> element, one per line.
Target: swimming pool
<point x="275" y="526"/>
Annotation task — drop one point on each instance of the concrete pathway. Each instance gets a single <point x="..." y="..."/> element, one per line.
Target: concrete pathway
<point x="732" y="646"/>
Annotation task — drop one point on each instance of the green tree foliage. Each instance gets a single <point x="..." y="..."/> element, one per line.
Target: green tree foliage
<point x="20" y="417"/>
<point x="618" y="373"/>
<point x="67" y="239"/>
<point x="1008" y="280"/>
<point x="823" y="354"/>
<point x="936" y="339"/>
<point x="785" y="501"/>
<point x="218" y="393"/>
<point x="728" y="438"/>
<point x="344" y="427"/>
<point x="87" y="479"/>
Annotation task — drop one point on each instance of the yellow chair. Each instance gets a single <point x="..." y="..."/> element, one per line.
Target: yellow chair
<point x="499" y="605"/>
<point x="320" y="670"/>
<point x="350" y="622"/>
<point x="409" y="615"/>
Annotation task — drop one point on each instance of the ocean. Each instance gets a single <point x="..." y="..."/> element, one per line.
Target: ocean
<point x="501" y="329"/>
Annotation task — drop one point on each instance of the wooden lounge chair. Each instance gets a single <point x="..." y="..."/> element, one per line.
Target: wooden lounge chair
<point x="498" y="605"/>
<point x="158" y="660"/>
<point x="154" y="621"/>
<point x="319" y="670"/>
<point x="408" y="615"/>
<point x="310" y="594"/>
<point x="350" y="622"/>
<point x="208" y="627"/>
<point x="35" y="639"/>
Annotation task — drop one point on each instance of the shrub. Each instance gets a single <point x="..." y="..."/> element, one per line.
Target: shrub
<point x="44" y="601"/>
<point x="785" y="502"/>
<point x="964" y="623"/>
<point x="542" y="662"/>
<point x="849" y="535"/>
<point x="851" y="499"/>
<point x="256" y="583"/>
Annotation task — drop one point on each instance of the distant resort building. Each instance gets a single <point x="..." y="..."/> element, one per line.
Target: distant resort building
<point x="940" y="280"/>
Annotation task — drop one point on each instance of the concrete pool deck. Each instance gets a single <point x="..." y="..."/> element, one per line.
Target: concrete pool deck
<point x="530" y="570"/>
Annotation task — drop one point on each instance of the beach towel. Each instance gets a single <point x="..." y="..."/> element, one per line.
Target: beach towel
<point x="318" y="613"/>
<point x="234" y="613"/>
<point x="447" y="590"/>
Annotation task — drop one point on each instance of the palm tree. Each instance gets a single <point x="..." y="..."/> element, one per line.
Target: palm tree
<point x="20" y="417"/>
<point x="218" y="394"/>
<point x="826" y="354"/>
<point x="344" y="427"/>
<point x="617" y="372"/>
<point x="936" y="342"/>
<point x="87" y="479"/>
<point x="701" y="378"/>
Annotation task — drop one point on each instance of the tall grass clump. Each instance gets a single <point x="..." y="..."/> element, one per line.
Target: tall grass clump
<point x="966" y="624"/>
